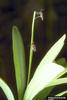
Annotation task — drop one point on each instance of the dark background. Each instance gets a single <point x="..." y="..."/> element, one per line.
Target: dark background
<point x="47" y="32"/>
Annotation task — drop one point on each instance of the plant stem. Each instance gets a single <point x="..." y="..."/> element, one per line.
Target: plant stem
<point x="31" y="50"/>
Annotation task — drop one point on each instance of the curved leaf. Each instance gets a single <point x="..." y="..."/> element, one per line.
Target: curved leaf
<point x="62" y="93"/>
<point x="57" y="82"/>
<point x="53" y="52"/>
<point x="6" y="90"/>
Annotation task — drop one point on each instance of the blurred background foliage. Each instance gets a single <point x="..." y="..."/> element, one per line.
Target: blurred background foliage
<point x="47" y="32"/>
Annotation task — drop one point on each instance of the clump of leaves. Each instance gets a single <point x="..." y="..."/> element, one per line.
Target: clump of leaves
<point x="47" y="74"/>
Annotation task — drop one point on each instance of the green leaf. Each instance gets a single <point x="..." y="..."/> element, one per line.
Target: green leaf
<point x="41" y="79"/>
<point x="57" y="82"/>
<point x="19" y="62"/>
<point x="46" y="71"/>
<point x="53" y="52"/>
<point x="62" y="93"/>
<point x="6" y="90"/>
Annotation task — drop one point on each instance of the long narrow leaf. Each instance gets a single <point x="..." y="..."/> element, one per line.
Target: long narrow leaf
<point x="6" y="90"/>
<point x="62" y="93"/>
<point x="57" y="82"/>
<point x="53" y="52"/>
<point x="19" y="62"/>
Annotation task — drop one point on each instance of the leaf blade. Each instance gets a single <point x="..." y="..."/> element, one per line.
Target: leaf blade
<point x="57" y="82"/>
<point x="53" y="51"/>
<point x="6" y="90"/>
<point x="19" y="61"/>
<point x="62" y="93"/>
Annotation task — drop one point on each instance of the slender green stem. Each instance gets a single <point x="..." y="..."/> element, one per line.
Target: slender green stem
<point x="32" y="41"/>
<point x="31" y="50"/>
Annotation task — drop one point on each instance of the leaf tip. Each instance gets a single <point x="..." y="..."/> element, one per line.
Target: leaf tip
<point x="64" y="36"/>
<point x="14" y="28"/>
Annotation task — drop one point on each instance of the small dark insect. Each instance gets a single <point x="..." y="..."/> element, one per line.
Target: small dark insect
<point x="33" y="47"/>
